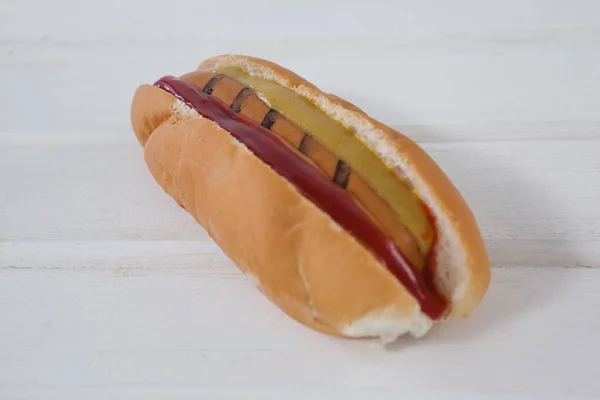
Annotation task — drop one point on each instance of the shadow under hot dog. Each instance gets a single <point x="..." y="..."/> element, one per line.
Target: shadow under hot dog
<point x="505" y="201"/>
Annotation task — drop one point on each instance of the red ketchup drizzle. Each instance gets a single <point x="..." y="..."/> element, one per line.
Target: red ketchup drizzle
<point x="333" y="200"/>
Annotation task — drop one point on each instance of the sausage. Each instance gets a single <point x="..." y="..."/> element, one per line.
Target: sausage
<point x="244" y="101"/>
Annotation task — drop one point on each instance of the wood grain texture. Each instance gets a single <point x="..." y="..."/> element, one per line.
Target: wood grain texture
<point x="120" y="332"/>
<point x="114" y="20"/>
<point x="536" y="202"/>
<point x="456" y="89"/>
<point x="518" y="70"/>
<point x="109" y="290"/>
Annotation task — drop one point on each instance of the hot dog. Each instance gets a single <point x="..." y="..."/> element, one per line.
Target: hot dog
<point x="345" y="224"/>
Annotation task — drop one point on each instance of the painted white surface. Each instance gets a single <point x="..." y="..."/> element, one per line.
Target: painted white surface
<point x="109" y="290"/>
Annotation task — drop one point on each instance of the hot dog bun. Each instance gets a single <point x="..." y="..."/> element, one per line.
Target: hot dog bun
<point x="297" y="255"/>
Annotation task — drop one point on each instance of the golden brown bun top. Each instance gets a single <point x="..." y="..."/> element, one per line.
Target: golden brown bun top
<point x="463" y="269"/>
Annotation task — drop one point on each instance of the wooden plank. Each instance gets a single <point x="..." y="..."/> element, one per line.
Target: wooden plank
<point x="188" y="330"/>
<point x="435" y="88"/>
<point x="113" y="20"/>
<point x="537" y="202"/>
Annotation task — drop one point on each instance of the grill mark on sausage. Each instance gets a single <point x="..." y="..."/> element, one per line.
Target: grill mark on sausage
<point x="239" y="99"/>
<point x="226" y="90"/>
<point x="305" y="143"/>
<point x="270" y="119"/>
<point x="325" y="159"/>
<point x="208" y="88"/>
<point x="342" y="174"/>
<point x="254" y="108"/>
<point x="288" y="131"/>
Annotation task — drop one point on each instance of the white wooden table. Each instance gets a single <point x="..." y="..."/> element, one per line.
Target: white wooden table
<point x="109" y="290"/>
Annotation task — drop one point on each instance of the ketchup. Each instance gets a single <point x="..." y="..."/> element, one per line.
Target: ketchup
<point x="333" y="200"/>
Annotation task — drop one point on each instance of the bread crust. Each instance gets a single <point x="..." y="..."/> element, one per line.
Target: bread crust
<point x="402" y="154"/>
<point x="298" y="256"/>
<point x="281" y="245"/>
